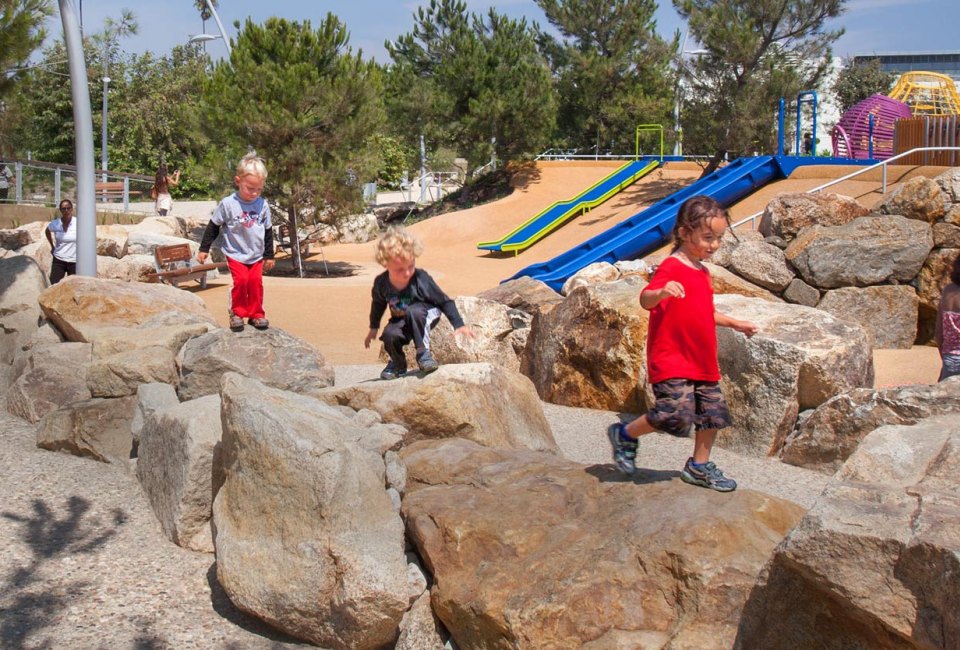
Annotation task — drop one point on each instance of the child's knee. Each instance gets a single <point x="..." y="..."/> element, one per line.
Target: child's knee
<point x="677" y="423"/>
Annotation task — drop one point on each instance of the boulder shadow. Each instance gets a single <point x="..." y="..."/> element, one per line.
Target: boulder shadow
<point x="223" y="606"/>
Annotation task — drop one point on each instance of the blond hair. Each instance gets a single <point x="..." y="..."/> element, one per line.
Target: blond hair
<point x="252" y="165"/>
<point x="397" y="243"/>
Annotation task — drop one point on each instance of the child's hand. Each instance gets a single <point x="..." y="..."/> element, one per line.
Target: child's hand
<point x="465" y="331"/>
<point x="201" y="257"/>
<point x="269" y="264"/>
<point x="746" y="327"/>
<point x="672" y="289"/>
<point x="372" y="334"/>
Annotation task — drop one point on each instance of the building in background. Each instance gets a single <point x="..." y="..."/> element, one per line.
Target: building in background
<point x="946" y="63"/>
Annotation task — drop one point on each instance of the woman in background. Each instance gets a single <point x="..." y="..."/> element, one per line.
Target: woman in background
<point x="161" y="187"/>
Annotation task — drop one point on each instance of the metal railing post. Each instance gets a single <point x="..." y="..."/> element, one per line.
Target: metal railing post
<point x="56" y="185"/>
<point x="18" y="170"/>
<point x="126" y="194"/>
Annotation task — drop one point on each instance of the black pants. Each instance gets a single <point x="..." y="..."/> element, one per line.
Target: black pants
<point x="59" y="268"/>
<point x="4" y="193"/>
<point x="412" y="327"/>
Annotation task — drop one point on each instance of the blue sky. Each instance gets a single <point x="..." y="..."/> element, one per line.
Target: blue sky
<point x="871" y="25"/>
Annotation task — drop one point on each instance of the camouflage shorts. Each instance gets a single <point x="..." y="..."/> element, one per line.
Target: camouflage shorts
<point x="684" y="402"/>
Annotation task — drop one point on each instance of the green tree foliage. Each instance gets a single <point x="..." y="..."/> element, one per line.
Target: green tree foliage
<point x="757" y="52"/>
<point x="612" y="70"/>
<point x="477" y="84"/>
<point x="856" y="82"/>
<point x="307" y="104"/>
<point x="21" y="32"/>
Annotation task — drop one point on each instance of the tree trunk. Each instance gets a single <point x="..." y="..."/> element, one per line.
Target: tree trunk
<point x="714" y="163"/>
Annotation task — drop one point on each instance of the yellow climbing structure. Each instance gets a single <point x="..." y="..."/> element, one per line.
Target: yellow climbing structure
<point x="927" y="93"/>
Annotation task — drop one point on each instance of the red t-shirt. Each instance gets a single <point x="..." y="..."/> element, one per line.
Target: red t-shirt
<point x="682" y="335"/>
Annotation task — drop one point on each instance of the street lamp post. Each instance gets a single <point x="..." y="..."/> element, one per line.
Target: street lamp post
<point x="103" y="131"/>
<point x="677" y="129"/>
<point x="203" y="38"/>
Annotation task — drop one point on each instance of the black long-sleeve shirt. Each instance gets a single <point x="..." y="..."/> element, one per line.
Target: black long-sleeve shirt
<point x="422" y="288"/>
<point x="213" y="231"/>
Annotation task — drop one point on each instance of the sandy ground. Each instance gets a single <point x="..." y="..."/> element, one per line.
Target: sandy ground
<point x="331" y="313"/>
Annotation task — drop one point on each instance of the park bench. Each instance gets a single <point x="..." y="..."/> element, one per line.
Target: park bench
<point x="173" y="266"/>
<point x="113" y="190"/>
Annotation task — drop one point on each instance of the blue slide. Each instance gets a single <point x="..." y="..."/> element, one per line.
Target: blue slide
<point x="646" y="231"/>
<point x="541" y="225"/>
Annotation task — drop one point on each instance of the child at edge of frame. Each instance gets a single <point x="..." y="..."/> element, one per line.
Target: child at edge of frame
<point x="947" y="333"/>
<point x="247" y="244"/>
<point x="682" y="349"/>
<point x="415" y="302"/>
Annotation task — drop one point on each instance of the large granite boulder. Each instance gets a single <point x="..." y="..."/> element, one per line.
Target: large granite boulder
<point x="918" y="198"/>
<point x="273" y="356"/>
<point x="487" y="404"/>
<point x="597" y="273"/>
<point x="590" y="351"/>
<point x="874" y="563"/>
<point x="829" y="435"/>
<point x="528" y="550"/>
<point x="180" y="468"/>
<point x="140" y="242"/>
<point x="762" y="264"/>
<point x="500" y="335"/>
<point x="93" y="428"/>
<point x="898" y="304"/>
<point x="129" y="268"/>
<point x="789" y="213"/>
<point x="111" y="242"/>
<point x="949" y="181"/>
<point x="307" y="538"/>
<point x="168" y="331"/>
<point x="934" y="276"/>
<point x="49" y="376"/>
<point x="946" y="235"/>
<point x="122" y="373"/>
<point x="866" y="251"/>
<point x="724" y="281"/>
<point x="79" y="305"/>
<point x="524" y="293"/>
<point x="21" y="282"/>
<point x="800" y="358"/>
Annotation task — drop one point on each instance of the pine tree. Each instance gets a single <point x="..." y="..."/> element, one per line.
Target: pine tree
<point x="756" y="52"/>
<point x="612" y="68"/>
<point x="477" y="84"/>
<point x="307" y="105"/>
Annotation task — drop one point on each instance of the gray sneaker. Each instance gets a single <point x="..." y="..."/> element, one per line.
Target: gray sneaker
<point x="708" y="476"/>
<point x="624" y="449"/>
<point x="426" y="362"/>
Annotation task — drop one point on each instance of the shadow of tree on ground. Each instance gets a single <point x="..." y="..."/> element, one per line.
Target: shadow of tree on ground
<point x="27" y="605"/>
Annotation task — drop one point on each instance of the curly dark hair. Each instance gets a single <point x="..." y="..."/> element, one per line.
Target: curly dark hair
<point x="693" y="213"/>
<point x="955" y="273"/>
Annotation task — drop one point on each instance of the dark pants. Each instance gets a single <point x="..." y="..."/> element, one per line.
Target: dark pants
<point x="59" y="268"/>
<point x="4" y="193"/>
<point x="413" y="326"/>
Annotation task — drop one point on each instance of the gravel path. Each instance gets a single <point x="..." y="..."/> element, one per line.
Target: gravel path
<point x="84" y="564"/>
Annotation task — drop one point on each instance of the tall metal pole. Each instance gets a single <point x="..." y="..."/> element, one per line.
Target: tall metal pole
<point x="103" y="130"/>
<point x="223" y="34"/>
<point x="83" y="145"/>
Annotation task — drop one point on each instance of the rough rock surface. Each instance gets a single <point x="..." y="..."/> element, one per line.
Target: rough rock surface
<point x="887" y="313"/>
<point x="520" y="547"/>
<point x="338" y="579"/>
<point x="874" y="563"/>
<point x="487" y="404"/>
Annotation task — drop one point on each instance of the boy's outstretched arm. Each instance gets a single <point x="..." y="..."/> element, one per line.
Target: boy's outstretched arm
<point x="209" y="235"/>
<point x="742" y="326"/>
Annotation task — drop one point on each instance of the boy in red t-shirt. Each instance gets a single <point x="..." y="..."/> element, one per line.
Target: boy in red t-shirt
<point x="682" y="348"/>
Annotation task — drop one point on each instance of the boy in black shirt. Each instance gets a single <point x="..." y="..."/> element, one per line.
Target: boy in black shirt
<point x="415" y="303"/>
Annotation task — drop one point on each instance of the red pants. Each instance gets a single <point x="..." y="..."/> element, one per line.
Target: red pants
<point x="246" y="297"/>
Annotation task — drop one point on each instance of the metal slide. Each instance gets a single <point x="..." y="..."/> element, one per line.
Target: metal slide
<point x="560" y="212"/>
<point x="648" y="230"/>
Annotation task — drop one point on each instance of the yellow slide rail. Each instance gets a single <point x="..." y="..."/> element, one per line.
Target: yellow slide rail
<point x="577" y="206"/>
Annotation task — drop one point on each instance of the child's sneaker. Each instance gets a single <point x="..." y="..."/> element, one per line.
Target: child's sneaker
<point x="707" y="475"/>
<point x="393" y="370"/>
<point x="624" y="448"/>
<point x="426" y="362"/>
<point x="260" y="323"/>
<point x="236" y="323"/>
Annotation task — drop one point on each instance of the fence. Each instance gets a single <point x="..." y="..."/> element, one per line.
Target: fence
<point x="928" y="131"/>
<point x="46" y="184"/>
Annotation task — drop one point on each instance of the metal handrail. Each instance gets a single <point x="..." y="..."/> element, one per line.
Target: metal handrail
<point x="882" y="164"/>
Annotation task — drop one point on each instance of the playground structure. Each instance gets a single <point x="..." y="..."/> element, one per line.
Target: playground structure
<point x="927" y="93"/>
<point x="866" y="130"/>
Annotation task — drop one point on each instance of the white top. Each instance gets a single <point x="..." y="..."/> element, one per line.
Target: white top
<point x="65" y="249"/>
<point x="5" y="176"/>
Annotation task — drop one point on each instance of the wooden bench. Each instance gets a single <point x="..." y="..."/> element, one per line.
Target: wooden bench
<point x="173" y="266"/>
<point x="113" y="190"/>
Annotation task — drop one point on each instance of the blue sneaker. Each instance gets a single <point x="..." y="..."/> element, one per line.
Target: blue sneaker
<point x="624" y="448"/>
<point x="426" y="362"/>
<point x="707" y="475"/>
